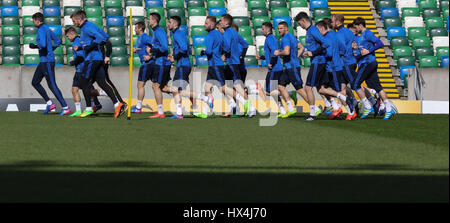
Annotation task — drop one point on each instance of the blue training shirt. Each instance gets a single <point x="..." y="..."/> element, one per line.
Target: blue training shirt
<point x="242" y="45"/>
<point x="91" y="33"/>
<point x="367" y="41"/>
<point x="314" y="40"/>
<point x="78" y="53"/>
<point x="270" y="45"/>
<point x="214" y="46"/>
<point x="46" y="39"/>
<point x="231" y="46"/>
<point x="181" y="49"/>
<point x="347" y="37"/>
<point x="160" y="47"/>
<point x="334" y="60"/>
<point x="143" y="41"/>
<point x="290" y="61"/>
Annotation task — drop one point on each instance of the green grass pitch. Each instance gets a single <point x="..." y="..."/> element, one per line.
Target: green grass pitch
<point x="62" y="159"/>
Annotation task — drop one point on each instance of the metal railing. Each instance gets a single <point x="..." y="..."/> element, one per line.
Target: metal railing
<point x="415" y="77"/>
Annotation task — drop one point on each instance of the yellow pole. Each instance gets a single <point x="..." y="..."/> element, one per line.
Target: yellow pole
<point x="131" y="66"/>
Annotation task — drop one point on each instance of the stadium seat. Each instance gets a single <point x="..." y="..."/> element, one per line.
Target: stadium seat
<point x="406" y="61"/>
<point x="426" y="4"/>
<point x="444" y="62"/>
<point x="115" y="30"/>
<point x="52" y="20"/>
<point x="278" y="19"/>
<point x="301" y="31"/>
<point x="114" y="21"/>
<point x="199" y="40"/>
<point x="410" y="12"/>
<point x="259" y="20"/>
<point x="10" y="11"/>
<point x="30" y="10"/>
<point x="249" y="39"/>
<point x="52" y="11"/>
<point x="404" y="72"/>
<point x="392" y="22"/>
<point x="112" y="11"/>
<point x="444" y="4"/>
<point x="241" y="21"/>
<point x="445" y="13"/>
<point x="11" y="40"/>
<point x="119" y="50"/>
<point x="119" y="61"/>
<point x="431" y="12"/>
<point x="174" y="4"/>
<point x="295" y="11"/>
<point x="414" y="32"/>
<point x="280" y="12"/>
<point x="138" y="3"/>
<point x="93" y="11"/>
<point x="201" y="61"/>
<point x="12" y="50"/>
<point x="27" y="21"/>
<point x="153" y="3"/>
<point x="402" y="51"/>
<point x="196" y="11"/>
<point x="97" y="21"/>
<point x="253" y="4"/>
<point x="251" y="61"/>
<point x="318" y="4"/>
<point x="259" y="12"/>
<point x="9" y="3"/>
<point x="319" y="18"/>
<point x="260" y="40"/>
<point x="414" y="22"/>
<point x="11" y="60"/>
<point x="67" y="21"/>
<point x="442" y="52"/>
<point x="389" y="12"/>
<point x="50" y="3"/>
<point x="197" y="20"/>
<point x="117" y="40"/>
<point x="31" y="59"/>
<point x="406" y="4"/>
<point x="215" y="3"/>
<point x="10" y="20"/>
<point x="386" y="4"/>
<point x="298" y="3"/>
<point x="438" y="32"/>
<point x="198" y="31"/>
<point x="302" y="40"/>
<point x="136" y="60"/>
<point x="198" y="50"/>
<point x="10" y="30"/>
<point x="29" y="30"/>
<point x="113" y="3"/>
<point x="321" y="12"/>
<point x="277" y="3"/>
<point x="395" y="31"/>
<point x="258" y="31"/>
<point x="69" y="10"/>
<point x="428" y="62"/>
<point x="69" y="3"/>
<point x="195" y="3"/>
<point x="434" y="22"/>
<point x="399" y="41"/>
<point x="424" y="51"/>
<point x="306" y="62"/>
<point x="245" y="30"/>
<point x="420" y="41"/>
<point x="440" y="41"/>
<point x="159" y="10"/>
<point x="91" y="3"/>
<point x="217" y="11"/>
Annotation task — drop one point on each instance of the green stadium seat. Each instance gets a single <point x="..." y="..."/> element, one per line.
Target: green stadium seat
<point x="69" y="10"/>
<point x="306" y="62"/>
<point x="258" y="31"/>
<point x="67" y="41"/>
<point x="119" y="50"/>
<point x="241" y="21"/>
<point x="410" y="12"/>
<point x="215" y="3"/>
<point x="245" y="30"/>
<point x="259" y="12"/>
<point x="113" y="11"/>
<point x="31" y="59"/>
<point x="59" y="60"/>
<point x="402" y="51"/>
<point x="9" y="3"/>
<point x="93" y="11"/>
<point x="277" y="34"/>
<point x="117" y="40"/>
<point x="298" y="3"/>
<point x="399" y="41"/>
<point x="135" y="19"/>
<point x="133" y="3"/>
<point x="10" y="30"/>
<point x="421" y="41"/>
<point x="27" y="39"/>
<point x="444" y="4"/>
<point x="261" y="50"/>
<point x="50" y="3"/>
<point x="442" y="51"/>
<point x="119" y="61"/>
<point x="251" y="61"/>
<point x="198" y="50"/>
<point x="445" y="13"/>
<point x="115" y="30"/>
<point x="11" y="40"/>
<point x="249" y="39"/>
<point x="29" y="30"/>
<point x="196" y="11"/>
<point x="11" y="60"/>
<point x="176" y="12"/>
<point x="12" y="50"/>
<point x="159" y="10"/>
<point x="27" y="21"/>
<point x="424" y="51"/>
<point x="69" y="49"/>
<point x="392" y="22"/>
<point x="438" y="32"/>
<point x="91" y="3"/>
<point x="196" y="3"/>
<point x="59" y="50"/>
<point x="277" y="3"/>
<point x="427" y="4"/>
<point x="428" y="13"/>
<point x="198" y="31"/>
<point x="50" y="20"/>
<point x="319" y="18"/>
<point x="414" y="32"/>
<point x="174" y="4"/>
<point x="434" y="22"/>
<point x="97" y="21"/>
<point x="428" y="62"/>
<point x="136" y="61"/>
<point x="322" y="12"/>
<point x="10" y="20"/>
<point x="259" y="20"/>
<point x="113" y="3"/>
<point x="406" y="61"/>
<point x="302" y="40"/>
<point x="253" y="4"/>
<point x="30" y="3"/>
<point x="277" y="12"/>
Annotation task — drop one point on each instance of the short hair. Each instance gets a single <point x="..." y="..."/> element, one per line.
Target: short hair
<point x="268" y="25"/>
<point x="212" y="19"/>
<point x="359" y="21"/>
<point x="350" y="25"/>
<point x="177" y="19"/>
<point x="283" y="23"/>
<point x="328" y="22"/>
<point x="322" y="24"/>
<point x="156" y="16"/>
<point x="235" y="27"/>
<point x="300" y="16"/>
<point x="70" y="29"/>
<point x="228" y="17"/>
<point x="79" y="15"/>
<point x="140" y="25"/>
<point x="38" y="16"/>
<point x="339" y="17"/>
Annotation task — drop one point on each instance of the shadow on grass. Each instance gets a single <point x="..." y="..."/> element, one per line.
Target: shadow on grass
<point x="21" y="183"/>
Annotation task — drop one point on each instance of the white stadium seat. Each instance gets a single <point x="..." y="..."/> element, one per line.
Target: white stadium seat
<point x="296" y="10"/>
<point x="236" y="4"/>
<point x="238" y="12"/>
<point x="251" y="51"/>
<point x="414" y="21"/>
<point x="27" y="50"/>
<point x="197" y="20"/>
<point x="30" y="10"/>
<point x="137" y="11"/>
<point x="439" y="41"/>
<point x="67" y="21"/>
<point x="67" y="3"/>
<point x="301" y="31"/>
<point x="406" y="4"/>
<point x="260" y="40"/>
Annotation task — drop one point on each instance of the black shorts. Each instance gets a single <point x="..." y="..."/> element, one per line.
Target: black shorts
<point x="161" y="75"/>
<point x="76" y="80"/>
<point x="368" y="72"/>
<point x="233" y="72"/>
<point x="145" y="72"/>
<point x="293" y="76"/>
<point x="243" y="71"/>
<point x="181" y="78"/>
<point x="94" y="69"/>
<point x="349" y="74"/>
<point x="216" y="75"/>
<point x="336" y="79"/>
<point x="316" y="75"/>
<point x="272" y="80"/>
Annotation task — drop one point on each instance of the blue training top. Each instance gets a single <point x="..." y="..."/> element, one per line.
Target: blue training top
<point x="78" y="53"/>
<point x="181" y="49"/>
<point x="369" y="41"/>
<point x="231" y="46"/>
<point x="92" y="36"/>
<point x="270" y="45"/>
<point x="214" y="46"/>
<point x="290" y="61"/>
<point x="160" y="47"/>
<point x="314" y="42"/>
<point x="143" y="41"/>
<point x="46" y="39"/>
<point x="334" y="60"/>
<point x="346" y="36"/>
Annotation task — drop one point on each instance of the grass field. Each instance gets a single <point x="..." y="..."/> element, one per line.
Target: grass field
<point x="61" y="159"/>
